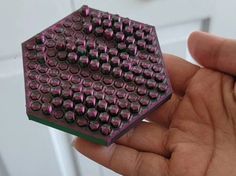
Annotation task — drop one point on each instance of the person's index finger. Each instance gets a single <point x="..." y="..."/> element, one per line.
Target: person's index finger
<point x="213" y="52"/>
<point x="180" y="72"/>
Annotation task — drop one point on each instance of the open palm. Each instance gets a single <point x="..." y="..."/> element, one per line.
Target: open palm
<point x="193" y="134"/>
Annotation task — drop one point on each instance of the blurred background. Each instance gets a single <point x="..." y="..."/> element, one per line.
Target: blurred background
<point x="29" y="148"/>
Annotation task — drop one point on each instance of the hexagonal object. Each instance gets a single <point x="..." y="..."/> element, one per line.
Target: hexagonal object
<point x="94" y="74"/>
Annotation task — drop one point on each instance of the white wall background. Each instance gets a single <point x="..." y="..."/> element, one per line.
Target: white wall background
<point x="28" y="148"/>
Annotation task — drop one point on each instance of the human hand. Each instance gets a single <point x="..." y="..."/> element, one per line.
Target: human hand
<point x="194" y="133"/>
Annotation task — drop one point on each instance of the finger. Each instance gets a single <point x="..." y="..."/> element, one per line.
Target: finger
<point x="147" y="137"/>
<point x="122" y="159"/>
<point x="163" y="115"/>
<point x="180" y="72"/>
<point x="213" y="52"/>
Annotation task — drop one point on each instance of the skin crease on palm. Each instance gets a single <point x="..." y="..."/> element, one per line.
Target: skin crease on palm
<point x="194" y="133"/>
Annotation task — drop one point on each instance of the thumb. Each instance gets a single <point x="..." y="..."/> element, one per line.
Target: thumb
<point x="213" y="52"/>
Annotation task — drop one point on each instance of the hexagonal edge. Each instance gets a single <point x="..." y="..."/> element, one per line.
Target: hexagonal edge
<point x="68" y="130"/>
<point x="170" y="89"/>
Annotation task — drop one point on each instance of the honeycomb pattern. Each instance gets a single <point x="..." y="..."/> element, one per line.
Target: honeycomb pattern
<point x="94" y="73"/>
